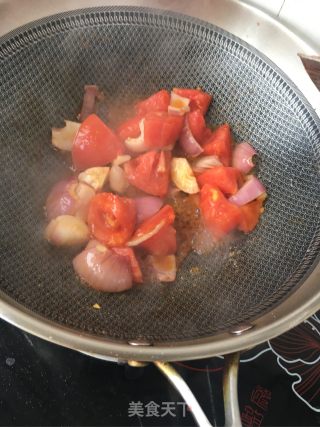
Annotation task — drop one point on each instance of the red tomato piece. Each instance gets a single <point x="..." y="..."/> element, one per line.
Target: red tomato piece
<point x="153" y="225"/>
<point x="206" y="135"/>
<point x="220" y="144"/>
<point x="161" y="129"/>
<point x="198" y="98"/>
<point x="220" y="216"/>
<point x="112" y="219"/>
<point x="150" y="172"/>
<point x="224" y="178"/>
<point x="95" y="144"/>
<point x="197" y="124"/>
<point x="163" y="243"/>
<point x="134" y="264"/>
<point x="159" y="101"/>
<point x="250" y="214"/>
<point x="130" y="128"/>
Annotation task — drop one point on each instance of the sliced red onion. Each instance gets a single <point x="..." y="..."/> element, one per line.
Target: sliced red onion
<point x="251" y="190"/>
<point x="164" y="267"/>
<point x="89" y="100"/>
<point x="242" y="157"/>
<point x="147" y="206"/>
<point x="188" y="142"/>
<point x="103" y="269"/>
<point x="203" y="163"/>
<point x="61" y="200"/>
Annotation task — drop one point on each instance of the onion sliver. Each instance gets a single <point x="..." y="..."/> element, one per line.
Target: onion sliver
<point x="201" y="164"/>
<point x="251" y="190"/>
<point x="147" y="206"/>
<point x="188" y="142"/>
<point x="242" y="157"/>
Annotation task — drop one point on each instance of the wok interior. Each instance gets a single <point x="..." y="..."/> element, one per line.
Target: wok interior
<point x="134" y="53"/>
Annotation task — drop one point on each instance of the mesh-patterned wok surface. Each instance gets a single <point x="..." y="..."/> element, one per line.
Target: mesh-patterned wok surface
<point x="129" y="50"/>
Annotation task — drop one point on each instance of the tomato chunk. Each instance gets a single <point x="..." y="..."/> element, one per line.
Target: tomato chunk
<point x="134" y="264"/>
<point x="162" y="243"/>
<point x="220" y="144"/>
<point x="130" y="128"/>
<point x="159" y="101"/>
<point x="198" y="98"/>
<point x="197" y="124"/>
<point x="206" y="135"/>
<point x="220" y="216"/>
<point x="112" y="219"/>
<point x="250" y="214"/>
<point x="161" y="129"/>
<point x="153" y="225"/>
<point x="224" y="178"/>
<point x="150" y="172"/>
<point x="95" y="144"/>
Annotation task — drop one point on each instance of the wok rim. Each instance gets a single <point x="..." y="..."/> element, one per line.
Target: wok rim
<point x="284" y="316"/>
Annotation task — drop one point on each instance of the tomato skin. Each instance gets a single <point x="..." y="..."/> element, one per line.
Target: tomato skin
<point x="150" y="172"/>
<point x="95" y="144"/>
<point x="130" y="128"/>
<point x="159" y="101"/>
<point x="206" y="135"/>
<point x="161" y="129"/>
<point x="164" y="217"/>
<point x="197" y="124"/>
<point x="220" y="144"/>
<point x="134" y="264"/>
<point x="112" y="219"/>
<point x="162" y="243"/>
<point x="224" y="178"/>
<point x="220" y="216"/>
<point x="198" y="98"/>
<point x="251" y="214"/>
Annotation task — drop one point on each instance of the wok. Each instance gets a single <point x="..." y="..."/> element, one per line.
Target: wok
<point x="241" y="295"/>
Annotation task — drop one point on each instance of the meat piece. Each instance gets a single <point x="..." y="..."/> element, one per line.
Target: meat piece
<point x="93" y="102"/>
